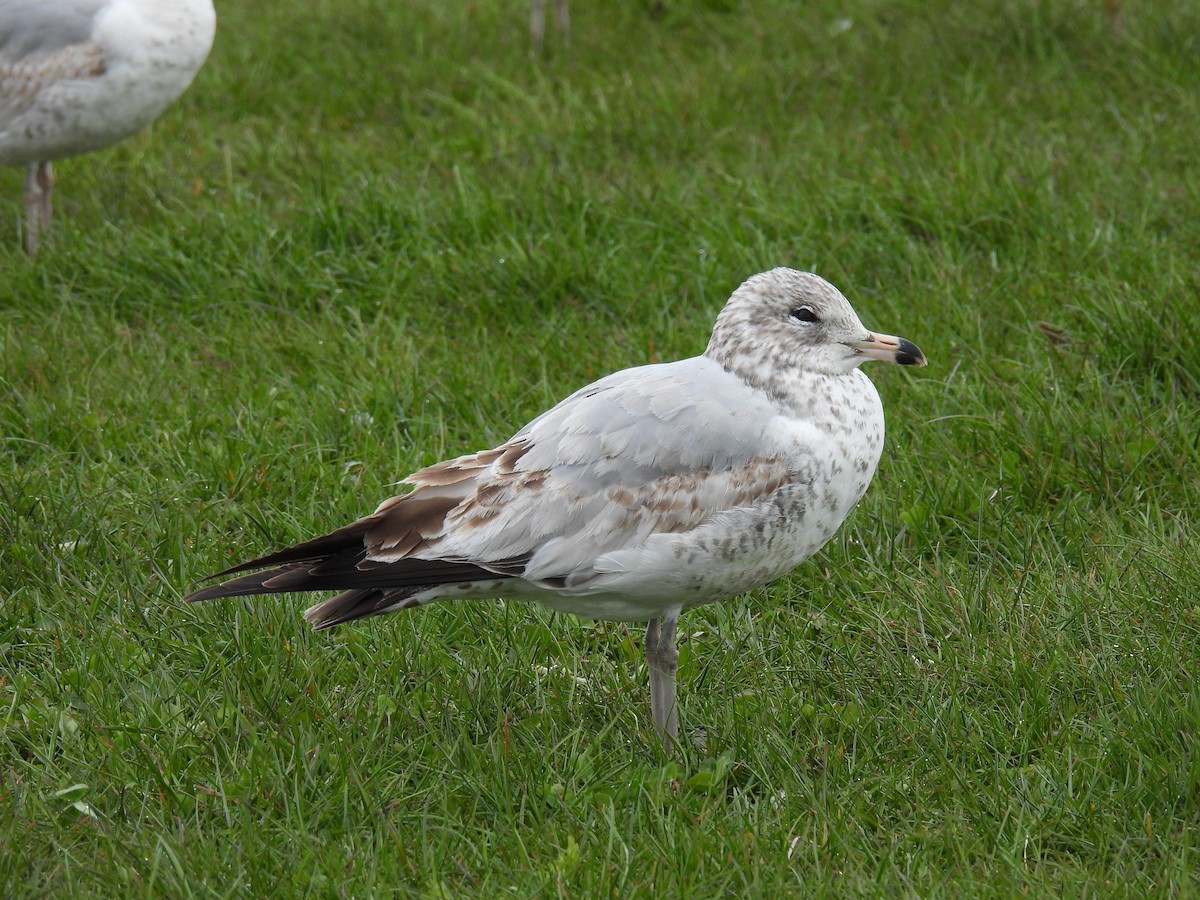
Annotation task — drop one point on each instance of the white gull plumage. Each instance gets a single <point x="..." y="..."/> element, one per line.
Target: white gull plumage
<point x="653" y="490"/>
<point x="78" y="75"/>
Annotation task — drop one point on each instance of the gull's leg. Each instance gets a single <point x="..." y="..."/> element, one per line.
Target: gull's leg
<point x="39" y="179"/>
<point x="662" y="659"/>
<point x="563" y="17"/>
<point x="537" y="23"/>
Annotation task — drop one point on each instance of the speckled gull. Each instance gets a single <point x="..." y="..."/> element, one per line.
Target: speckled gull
<point x="651" y="491"/>
<point x="78" y="75"/>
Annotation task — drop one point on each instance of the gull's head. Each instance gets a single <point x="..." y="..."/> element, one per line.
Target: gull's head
<point x="785" y="319"/>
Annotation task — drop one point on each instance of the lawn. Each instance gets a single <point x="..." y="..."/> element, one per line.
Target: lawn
<point x="374" y="234"/>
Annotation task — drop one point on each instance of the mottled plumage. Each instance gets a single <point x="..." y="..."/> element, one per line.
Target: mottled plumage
<point x="653" y="490"/>
<point x="78" y="75"/>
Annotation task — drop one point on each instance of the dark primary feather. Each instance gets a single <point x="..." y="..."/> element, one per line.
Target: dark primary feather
<point x="337" y="561"/>
<point x="358" y="604"/>
<point x="348" y="537"/>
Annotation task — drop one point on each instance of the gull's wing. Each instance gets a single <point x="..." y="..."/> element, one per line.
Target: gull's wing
<point x="655" y="450"/>
<point x="644" y="456"/>
<point x="34" y="28"/>
<point x="43" y="41"/>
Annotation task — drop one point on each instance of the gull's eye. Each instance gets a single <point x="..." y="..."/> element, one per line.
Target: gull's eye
<point x="805" y="314"/>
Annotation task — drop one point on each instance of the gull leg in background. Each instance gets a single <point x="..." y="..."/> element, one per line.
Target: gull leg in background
<point x="39" y="179"/>
<point x="662" y="658"/>
<point x="537" y="22"/>
<point x="562" y="18"/>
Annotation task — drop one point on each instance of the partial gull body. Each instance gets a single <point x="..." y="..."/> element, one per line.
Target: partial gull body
<point x="78" y="75"/>
<point x="651" y="491"/>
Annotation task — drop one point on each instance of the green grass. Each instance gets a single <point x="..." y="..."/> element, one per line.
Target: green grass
<point x="374" y="234"/>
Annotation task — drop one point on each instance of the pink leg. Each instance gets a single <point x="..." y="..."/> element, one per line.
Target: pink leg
<point x="662" y="659"/>
<point x="537" y="23"/>
<point x="39" y="180"/>
<point x="563" y="17"/>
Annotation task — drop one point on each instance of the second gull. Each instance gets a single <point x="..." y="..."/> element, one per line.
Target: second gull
<point x="78" y="75"/>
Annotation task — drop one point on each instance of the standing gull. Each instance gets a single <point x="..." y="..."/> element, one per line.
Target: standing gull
<point x="78" y="75"/>
<point x="651" y="491"/>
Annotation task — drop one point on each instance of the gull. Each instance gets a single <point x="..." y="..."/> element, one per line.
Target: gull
<point x="78" y="75"/>
<point x="651" y="491"/>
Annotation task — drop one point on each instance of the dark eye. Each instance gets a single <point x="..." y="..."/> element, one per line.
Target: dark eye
<point x="805" y="314"/>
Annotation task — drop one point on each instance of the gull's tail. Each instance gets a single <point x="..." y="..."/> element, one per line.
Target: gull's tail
<point x="338" y="561"/>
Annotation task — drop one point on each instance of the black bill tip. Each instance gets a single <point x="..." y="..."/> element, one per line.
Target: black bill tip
<point x="909" y="354"/>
